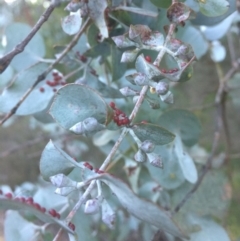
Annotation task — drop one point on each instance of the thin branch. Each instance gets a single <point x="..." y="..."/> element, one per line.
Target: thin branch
<point x="44" y="74"/>
<point x="6" y="60"/>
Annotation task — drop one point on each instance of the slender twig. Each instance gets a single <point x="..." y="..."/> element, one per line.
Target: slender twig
<point x="6" y="60"/>
<point x="121" y="137"/>
<point x="44" y="74"/>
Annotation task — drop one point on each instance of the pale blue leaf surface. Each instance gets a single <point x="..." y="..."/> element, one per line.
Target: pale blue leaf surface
<point x="15" y="33"/>
<point x="36" y="101"/>
<point x="210" y="231"/>
<point x="71" y="24"/>
<point x="186" y="162"/>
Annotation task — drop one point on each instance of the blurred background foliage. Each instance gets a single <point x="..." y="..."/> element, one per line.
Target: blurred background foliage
<point x="21" y="144"/>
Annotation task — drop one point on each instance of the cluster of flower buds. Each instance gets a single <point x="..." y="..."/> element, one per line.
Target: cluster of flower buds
<point x="87" y="127"/>
<point x="55" y="82"/>
<point x="119" y="116"/>
<point x="145" y="152"/>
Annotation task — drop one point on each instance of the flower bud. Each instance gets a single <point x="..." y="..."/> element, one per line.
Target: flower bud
<point x="78" y="129"/>
<point x="60" y="180"/>
<point x="141" y="79"/>
<point x="162" y="88"/>
<point x="155" y="160"/>
<point x="108" y="215"/>
<point x="140" y="156"/>
<point x="167" y="98"/>
<point x="91" y="125"/>
<point x="147" y="146"/>
<point x="64" y="191"/>
<point x="126" y="91"/>
<point x="91" y="206"/>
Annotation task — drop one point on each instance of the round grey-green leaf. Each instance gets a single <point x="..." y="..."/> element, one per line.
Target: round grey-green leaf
<point x="74" y="103"/>
<point x="54" y="161"/>
<point x="183" y="122"/>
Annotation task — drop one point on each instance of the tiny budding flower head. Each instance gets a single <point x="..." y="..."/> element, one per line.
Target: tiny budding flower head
<point x="92" y="206"/>
<point x="155" y="160"/>
<point x="147" y="146"/>
<point x="162" y="88"/>
<point x="140" y="156"/>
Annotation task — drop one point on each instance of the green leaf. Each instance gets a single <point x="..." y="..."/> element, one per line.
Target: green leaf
<point x="118" y="70"/>
<point x="178" y="12"/>
<point x="210" y="230"/>
<point x="129" y="56"/>
<point x="162" y="3"/>
<point x="211" y="198"/>
<point x="194" y="37"/>
<point x="171" y="176"/>
<point x="218" y="51"/>
<point x="150" y="70"/>
<point x="12" y="204"/>
<point x="186" y="162"/>
<point x="34" y="50"/>
<point x="138" y="33"/>
<point x="75" y="103"/>
<point x="54" y="161"/>
<point x="140" y="11"/>
<point x="123" y="41"/>
<point x="92" y="35"/>
<point x="69" y="59"/>
<point x="182" y="122"/>
<point x="96" y="10"/>
<point x="18" y="228"/>
<point x="202" y="19"/>
<point x="182" y="52"/>
<point x="213" y="8"/>
<point x="101" y="49"/>
<point x="83" y="225"/>
<point x="71" y="24"/>
<point x="142" y="209"/>
<point x="6" y="77"/>
<point x="92" y="80"/>
<point x="36" y="101"/>
<point x="219" y="30"/>
<point x="154" y="133"/>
